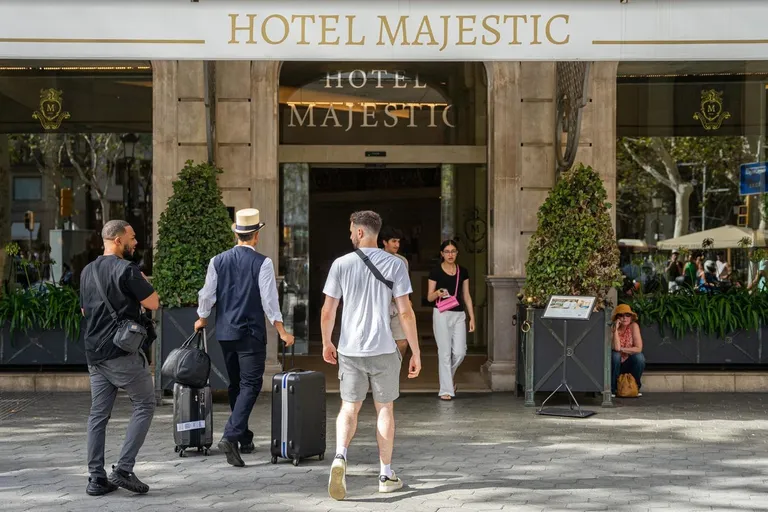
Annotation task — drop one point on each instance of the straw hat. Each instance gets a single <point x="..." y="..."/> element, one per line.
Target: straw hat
<point x="247" y="221"/>
<point x="622" y="309"/>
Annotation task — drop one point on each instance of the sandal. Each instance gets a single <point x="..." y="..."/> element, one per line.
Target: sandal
<point x="446" y="397"/>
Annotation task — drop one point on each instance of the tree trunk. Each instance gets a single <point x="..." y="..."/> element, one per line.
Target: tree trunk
<point x="104" y="209"/>
<point x="683" y="193"/>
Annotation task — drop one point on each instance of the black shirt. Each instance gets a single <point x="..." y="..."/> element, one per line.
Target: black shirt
<point x="448" y="282"/>
<point x="125" y="288"/>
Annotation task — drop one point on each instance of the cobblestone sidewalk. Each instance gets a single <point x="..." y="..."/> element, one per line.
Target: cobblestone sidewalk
<point x="479" y="452"/>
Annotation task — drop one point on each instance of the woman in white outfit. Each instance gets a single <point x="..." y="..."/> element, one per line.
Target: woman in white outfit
<point x="449" y="290"/>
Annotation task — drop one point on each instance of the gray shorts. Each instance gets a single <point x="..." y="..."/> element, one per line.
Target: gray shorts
<point x="382" y="372"/>
<point x="397" y="328"/>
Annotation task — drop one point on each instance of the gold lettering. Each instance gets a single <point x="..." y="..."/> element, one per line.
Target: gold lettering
<point x="549" y="29"/>
<point x="385" y="25"/>
<point x="445" y="19"/>
<point x="463" y="29"/>
<point x="399" y="77"/>
<point x="413" y="108"/>
<point x="325" y="29"/>
<point x="332" y="114"/>
<point x="50" y="108"/>
<point x="378" y="73"/>
<point x="515" y="18"/>
<point x="286" y="29"/>
<point x="328" y="80"/>
<point x="352" y="79"/>
<point x="445" y="116"/>
<point x="536" y="18"/>
<point x="367" y="114"/>
<point x="308" y="114"/>
<point x="236" y="29"/>
<point x="432" y="116"/>
<point x="711" y="109"/>
<point x="388" y="111"/>
<point x="350" y="35"/>
<point x="493" y="31"/>
<point x="425" y="29"/>
<point x="417" y="85"/>
<point x="303" y="18"/>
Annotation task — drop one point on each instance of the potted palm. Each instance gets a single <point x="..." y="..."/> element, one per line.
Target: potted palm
<point x="194" y="227"/>
<point x="573" y="252"/>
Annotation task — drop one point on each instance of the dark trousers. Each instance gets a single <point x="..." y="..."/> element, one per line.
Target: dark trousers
<point x="635" y="364"/>
<point x="245" y="369"/>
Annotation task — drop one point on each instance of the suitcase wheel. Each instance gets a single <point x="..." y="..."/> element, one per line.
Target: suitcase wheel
<point x="205" y="451"/>
<point x="296" y="462"/>
<point x="182" y="454"/>
<point x="274" y="459"/>
<point x="176" y="449"/>
<point x="321" y="456"/>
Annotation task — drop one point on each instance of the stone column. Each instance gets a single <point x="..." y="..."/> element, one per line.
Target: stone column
<point x="521" y="173"/>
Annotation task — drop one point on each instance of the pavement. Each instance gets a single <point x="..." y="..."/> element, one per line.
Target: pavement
<point x="666" y="451"/>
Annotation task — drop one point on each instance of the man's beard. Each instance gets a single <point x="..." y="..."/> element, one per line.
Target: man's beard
<point x="127" y="253"/>
<point x="356" y="244"/>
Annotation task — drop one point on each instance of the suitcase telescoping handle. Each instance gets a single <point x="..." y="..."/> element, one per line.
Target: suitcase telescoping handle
<point x="293" y="358"/>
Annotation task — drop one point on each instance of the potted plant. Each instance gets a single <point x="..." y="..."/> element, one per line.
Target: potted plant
<point x="573" y="252"/>
<point x="194" y="228"/>
<point x="41" y="324"/>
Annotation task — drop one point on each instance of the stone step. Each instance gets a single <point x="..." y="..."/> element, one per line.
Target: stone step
<point x="705" y="382"/>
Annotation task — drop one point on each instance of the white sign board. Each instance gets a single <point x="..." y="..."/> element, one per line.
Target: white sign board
<point x="566" y="307"/>
<point x="384" y="30"/>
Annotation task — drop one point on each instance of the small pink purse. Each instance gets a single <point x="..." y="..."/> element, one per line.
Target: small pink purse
<point x="451" y="302"/>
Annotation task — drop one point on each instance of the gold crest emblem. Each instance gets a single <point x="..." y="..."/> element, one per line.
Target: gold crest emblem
<point x="51" y="112"/>
<point x="711" y="114"/>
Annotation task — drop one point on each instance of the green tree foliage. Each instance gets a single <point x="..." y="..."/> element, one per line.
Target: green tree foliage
<point x="194" y="227"/>
<point x="573" y="251"/>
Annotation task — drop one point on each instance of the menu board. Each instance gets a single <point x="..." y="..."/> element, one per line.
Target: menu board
<point x="565" y="307"/>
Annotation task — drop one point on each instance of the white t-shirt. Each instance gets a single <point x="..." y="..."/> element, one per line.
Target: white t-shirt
<point x="365" y="329"/>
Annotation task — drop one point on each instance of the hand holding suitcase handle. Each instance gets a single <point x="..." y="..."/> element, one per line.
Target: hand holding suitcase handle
<point x="293" y="359"/>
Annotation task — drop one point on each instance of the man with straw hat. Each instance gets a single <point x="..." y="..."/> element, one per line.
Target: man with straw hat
<point x="241" y="283"/>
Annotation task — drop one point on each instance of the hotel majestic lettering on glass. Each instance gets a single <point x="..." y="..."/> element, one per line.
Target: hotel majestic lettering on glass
<point x="366" y="112"/>
<point x="437" y="31"/>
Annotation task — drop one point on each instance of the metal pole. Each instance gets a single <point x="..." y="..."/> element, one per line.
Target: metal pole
<point x="704" y="200"/>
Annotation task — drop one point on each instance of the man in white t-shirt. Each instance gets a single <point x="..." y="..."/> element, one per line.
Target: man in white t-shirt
<point x="367" y="279"/>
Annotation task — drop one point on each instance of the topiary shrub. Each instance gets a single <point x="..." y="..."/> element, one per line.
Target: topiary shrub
<point x="194" y="227"/>
<point x="574" y="250"/>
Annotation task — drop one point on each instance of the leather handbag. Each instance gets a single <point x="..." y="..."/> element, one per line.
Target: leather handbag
<point x="130" y="334"/>
<point x="451" y="302"/>
<point x="189" y="365"/>
<point x="627" y="387"/>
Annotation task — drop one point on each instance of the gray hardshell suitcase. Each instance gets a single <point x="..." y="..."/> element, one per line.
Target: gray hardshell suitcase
<point x="298" y="415"/>
<point x="193" y="416"/>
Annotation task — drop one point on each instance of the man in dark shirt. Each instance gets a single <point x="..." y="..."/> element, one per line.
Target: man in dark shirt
<point x="111" y="368"/>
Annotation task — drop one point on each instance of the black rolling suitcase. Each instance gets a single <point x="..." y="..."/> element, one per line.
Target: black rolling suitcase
<point x="193" y="416"/>
<point x="298" y="415"/>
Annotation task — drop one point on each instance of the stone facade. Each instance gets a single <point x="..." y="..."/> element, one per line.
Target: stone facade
<point x="521" y="161"/>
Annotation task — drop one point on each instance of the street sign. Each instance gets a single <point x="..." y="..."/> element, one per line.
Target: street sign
<point x="752" y="180"/>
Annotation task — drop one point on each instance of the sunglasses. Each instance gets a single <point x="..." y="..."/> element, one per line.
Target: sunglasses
<point x="625" y="315"/>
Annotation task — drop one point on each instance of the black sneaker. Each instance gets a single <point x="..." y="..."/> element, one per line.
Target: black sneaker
<point x="128" y="481"/>
<point x="247" y="448"/>
<point x="99" y="487"/>
<point x="232" y="453"/>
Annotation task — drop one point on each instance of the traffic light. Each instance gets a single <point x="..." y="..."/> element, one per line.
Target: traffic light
<point x="29" y="220"/>
<point x="65" y="203"/>
<point x="742" y="220"/>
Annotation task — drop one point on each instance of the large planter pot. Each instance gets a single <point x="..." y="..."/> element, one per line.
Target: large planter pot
<point x="697" y="348"/>
<point x="664" y="348"/>
<point x="41" y="348"/>
<point x="175" y="326"/>
<point x="588" y="358"/>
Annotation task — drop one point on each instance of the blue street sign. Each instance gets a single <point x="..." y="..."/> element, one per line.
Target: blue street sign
<point x="753" y="179"/>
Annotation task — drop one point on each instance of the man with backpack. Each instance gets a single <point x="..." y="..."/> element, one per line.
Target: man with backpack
<point x="367" y="280"/>
<point x="112" y="292"/>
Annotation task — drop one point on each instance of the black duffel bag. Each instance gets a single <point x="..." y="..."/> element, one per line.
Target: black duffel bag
<point x="189" y="365"/>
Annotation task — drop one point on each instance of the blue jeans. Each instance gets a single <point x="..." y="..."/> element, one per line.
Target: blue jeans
<point x="635" y="364"/>
<point x="245" y="361"/>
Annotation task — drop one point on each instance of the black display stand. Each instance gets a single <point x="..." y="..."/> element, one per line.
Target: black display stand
<point x="555" y="311"/>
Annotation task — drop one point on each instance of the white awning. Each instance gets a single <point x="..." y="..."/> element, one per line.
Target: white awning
<point x="724" y="237"/>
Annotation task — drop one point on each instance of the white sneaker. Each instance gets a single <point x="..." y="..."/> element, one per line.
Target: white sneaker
<point x="337" y="483"/>
<point x="390" y="484"/>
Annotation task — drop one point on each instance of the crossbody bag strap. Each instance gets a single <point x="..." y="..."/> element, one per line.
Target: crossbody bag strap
<point x="112" y="312"/>
<point x="458" y="271"/>
<point x="373" y="269"/>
